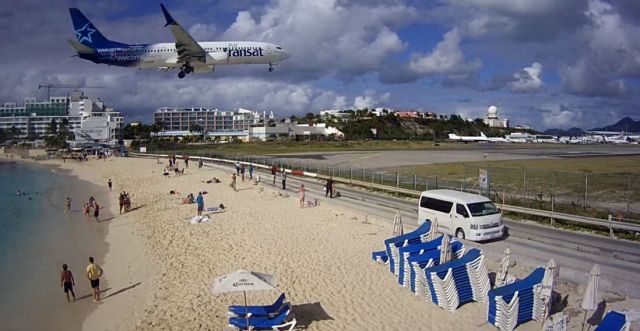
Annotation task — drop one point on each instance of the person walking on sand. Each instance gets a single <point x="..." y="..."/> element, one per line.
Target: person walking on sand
<point x="186" y="161"/>
<point x="94" y="272"/>
<point x="237" y="164"/>
<point x="250" y="170"/>
<point x="96" y="211"/>
<point x="67" y="282"/>
<point x="301" y="193"/>
<point x="68" y="205"/>
<point x="110" y="184"/>
<point x="242" y="172"/>
<point x="86" y="209"/>
<point x="200" y="203"/>
<point x="200" y="163"/>
<point x="92" y="200"/>
<point x="121" y="201"/>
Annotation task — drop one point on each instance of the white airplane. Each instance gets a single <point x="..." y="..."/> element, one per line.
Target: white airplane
<point x="467" y="139"/>
<point x="185" y="54"/>
<point x="620" y="139"/>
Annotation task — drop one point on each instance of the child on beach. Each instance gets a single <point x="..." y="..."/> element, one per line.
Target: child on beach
<point x="200" y="202"/>
<point x="233" y="182"/>
<point x="301" y="195"/>
<point x="110" y="184"/>
<point x="85" y="210"/>
<point x="67" y="282"/>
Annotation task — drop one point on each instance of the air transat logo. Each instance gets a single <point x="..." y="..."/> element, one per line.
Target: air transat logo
<point x="85" y="33"/>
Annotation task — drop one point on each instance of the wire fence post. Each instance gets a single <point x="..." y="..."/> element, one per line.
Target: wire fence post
<point x="436" y="182"/>
<point x="426" y="184"/>
<point x="524" y="187"/>
<point x="415" y="182"/>
<point x="350" y="174"/>
<point x="628" y="194"/>
<point x="464" y="179"/>
<point x="586" y="188"/>
<point x="381" y="178"/>
<point x="553" y="195"/>
<point x="363" y="177"/>
<point x="397" y="179"/>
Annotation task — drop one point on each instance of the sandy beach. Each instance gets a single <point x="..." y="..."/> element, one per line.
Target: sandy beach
<point x="160" y="268"/>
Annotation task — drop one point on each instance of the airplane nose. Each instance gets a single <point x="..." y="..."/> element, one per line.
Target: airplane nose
<point x="285" y="55"/>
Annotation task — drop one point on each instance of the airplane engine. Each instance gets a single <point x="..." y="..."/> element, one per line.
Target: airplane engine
<point x="217" y="58"/>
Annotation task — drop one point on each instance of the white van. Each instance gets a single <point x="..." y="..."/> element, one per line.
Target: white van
<point x="461" y="214"/>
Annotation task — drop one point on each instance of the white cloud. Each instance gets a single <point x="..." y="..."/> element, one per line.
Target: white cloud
<point x="528" y="80"/>
<point x="370" y="100"/>
<point x="446" y="58"/>
<point x="561" y="116"/>
<point x="201" y="31"/>
<point x="612" y="56"/>
<point x="327" y="36"/>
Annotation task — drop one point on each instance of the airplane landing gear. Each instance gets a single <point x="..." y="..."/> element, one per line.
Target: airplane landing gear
<point x="181" y="74"/>
<point x="188" y="69"/>
<point x="270" y="67"/>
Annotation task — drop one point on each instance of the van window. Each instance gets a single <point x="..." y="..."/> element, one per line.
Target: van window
<point x="461" y="210"/>
<point x="436" y="204"/>
<point x="483" y="208"/>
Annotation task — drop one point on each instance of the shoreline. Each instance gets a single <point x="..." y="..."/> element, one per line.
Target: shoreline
<point x="128" y="273"/>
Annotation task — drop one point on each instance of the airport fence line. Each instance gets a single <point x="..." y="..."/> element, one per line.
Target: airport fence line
<point x="524" y="199"/>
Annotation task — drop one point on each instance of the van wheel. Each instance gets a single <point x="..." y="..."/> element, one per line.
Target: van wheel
<point x="460" y="234"/>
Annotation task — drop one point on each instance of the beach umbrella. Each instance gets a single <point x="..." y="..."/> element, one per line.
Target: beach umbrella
<point x="445" y="249"/>
<point x="398" y="227"/>
<point x="243" y="281"/>
<point x="546" y="288"/>
<point x="434" y="230"/>
<point x="501" y="277"/>
<point x="590" y="299"/>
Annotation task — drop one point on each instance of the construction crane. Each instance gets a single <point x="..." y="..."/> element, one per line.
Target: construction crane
<point x="63" y="86"/>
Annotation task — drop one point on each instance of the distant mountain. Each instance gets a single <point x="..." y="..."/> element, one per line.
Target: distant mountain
<point x="573" y="132"/>
<point x="625" y="124"/>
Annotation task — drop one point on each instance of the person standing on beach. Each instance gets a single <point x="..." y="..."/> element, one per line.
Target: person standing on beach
<point x="121" y="201"/>
<point x="273" y="174"/>
<point x="96" y="211"/>
<point x="329" y="186"/>
<point x="68" y="205"/>
<point x="242" y="172"/>
<point x="234" y="179"/>
<point x="94" y="272"/>
<point x="200" y="163"/>
<point x="250" y="170"/>
<point x="200" y="203"/>
<point x="86" y="209"/>
<point x="284" y="179"/>
<point x="110" y="184"/>
<point x="92" y="200"/>
<point x="186" y="161"/>
<point x="67" y="282"/>
<point x="301" y="193"/>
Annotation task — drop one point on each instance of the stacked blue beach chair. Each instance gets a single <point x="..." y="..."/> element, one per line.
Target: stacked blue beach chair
<point x="459" y="281"/>
<point x="276" y="316"/>
<point x="418" y="262"/>
<point x="516" y="303"/>
<point x="613" y="321"/>
<point x="392" y="245"/>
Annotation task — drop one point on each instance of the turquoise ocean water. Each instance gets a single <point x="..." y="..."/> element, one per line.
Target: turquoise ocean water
<point x="36" y="238"/>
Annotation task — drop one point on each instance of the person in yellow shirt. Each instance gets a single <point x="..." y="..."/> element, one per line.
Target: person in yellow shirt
<point x="94" y="272"/>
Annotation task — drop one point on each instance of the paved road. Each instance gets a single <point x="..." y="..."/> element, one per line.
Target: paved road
<point x="531" y="244"/>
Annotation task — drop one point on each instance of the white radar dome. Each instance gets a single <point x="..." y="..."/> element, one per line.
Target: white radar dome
<point x="493" y="110"/>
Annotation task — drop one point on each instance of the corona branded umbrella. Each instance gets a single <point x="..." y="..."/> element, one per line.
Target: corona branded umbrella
<point x="243" y="281"/>
<point x="433" y="231"/>
<point x="546" y="288"/>
<point x="398" y="227"/>
<point x="501" y="277"/>
<point x="445" y="249"/>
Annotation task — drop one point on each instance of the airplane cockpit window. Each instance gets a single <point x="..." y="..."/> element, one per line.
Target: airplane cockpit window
<point x="278" y="47"/>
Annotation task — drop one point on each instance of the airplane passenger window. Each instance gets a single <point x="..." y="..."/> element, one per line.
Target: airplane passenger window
<point x="278" y="47"/>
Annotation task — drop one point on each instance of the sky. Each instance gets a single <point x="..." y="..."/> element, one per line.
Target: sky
<point x="544" y="63"/>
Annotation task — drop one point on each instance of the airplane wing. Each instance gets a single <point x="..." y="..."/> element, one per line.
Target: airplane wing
<point x="188" y="49"/>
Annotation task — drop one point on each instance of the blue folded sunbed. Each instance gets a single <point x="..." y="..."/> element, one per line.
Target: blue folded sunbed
<point x="242" y="311"/>
<point x="612" y="321"/>
<point x="283" y="319"/>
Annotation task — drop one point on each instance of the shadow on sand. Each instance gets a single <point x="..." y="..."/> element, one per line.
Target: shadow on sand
<point x="308" y="313"/>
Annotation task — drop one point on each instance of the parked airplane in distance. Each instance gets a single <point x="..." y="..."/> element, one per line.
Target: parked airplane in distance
<point x="185" y="54"/>
<point x="467" y="139"/>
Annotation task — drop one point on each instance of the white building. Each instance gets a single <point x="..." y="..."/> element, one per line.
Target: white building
<point x="33" y="119"/>
<point x="493" y="121"/>
<point x="210" y="120"/>
<point x="318" y="131"/>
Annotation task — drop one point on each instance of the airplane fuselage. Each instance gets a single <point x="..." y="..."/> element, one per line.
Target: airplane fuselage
<point x="165" y="54"/>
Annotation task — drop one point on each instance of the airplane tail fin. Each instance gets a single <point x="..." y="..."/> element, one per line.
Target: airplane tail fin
<point x="482" y="135"/>
<point x="86" y="33"/>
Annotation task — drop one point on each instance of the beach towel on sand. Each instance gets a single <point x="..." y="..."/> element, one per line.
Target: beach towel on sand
<point x="215" y="210"/>
<point x="199" y="219"/>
